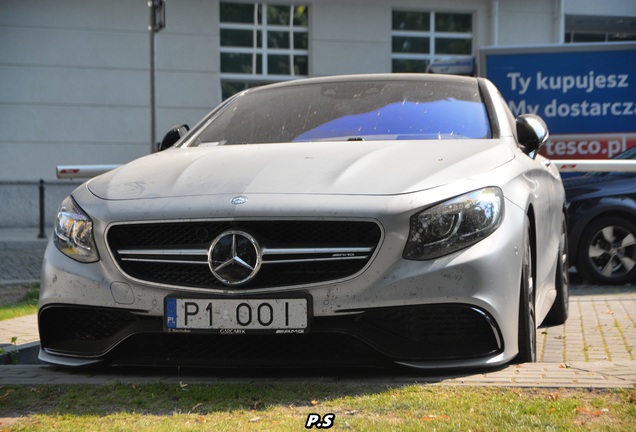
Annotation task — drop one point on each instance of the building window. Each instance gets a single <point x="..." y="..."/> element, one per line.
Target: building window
<point x="582" y="37"/>
<point x="262" y="43"/>
<point x="420" y="38"/>
<point x="588" y="28"/>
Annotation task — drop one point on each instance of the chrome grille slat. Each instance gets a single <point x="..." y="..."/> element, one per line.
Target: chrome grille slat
<point x="289" y="261"/>
<point x="203" y="252"/>
<point x="170" y="255"/>
<point x="166" y="261"/>
<point x="299" y="251"/>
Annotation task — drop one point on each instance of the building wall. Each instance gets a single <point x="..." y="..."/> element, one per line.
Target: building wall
<point x="74" y="74"/>
<point x="74" y="80"/>
<point x="523" y="22"/>
<point x="614" y="8"/>
<point x="349" y="37"/>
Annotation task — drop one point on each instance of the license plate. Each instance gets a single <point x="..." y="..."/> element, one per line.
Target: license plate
<point x="236" y="316"/>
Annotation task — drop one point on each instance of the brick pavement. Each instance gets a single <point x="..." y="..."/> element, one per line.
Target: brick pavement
<point x="600" y="327"/>
<point x="25" y="329"/>
<point x="594" y="349"/>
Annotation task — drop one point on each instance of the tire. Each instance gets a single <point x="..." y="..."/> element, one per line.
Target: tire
<point x="527" y="329"/>
<point x="560" y="309"/>
<point x="608" y="251"/>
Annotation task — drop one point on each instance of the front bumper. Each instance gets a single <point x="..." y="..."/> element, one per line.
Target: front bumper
<point x="376" y="337"/>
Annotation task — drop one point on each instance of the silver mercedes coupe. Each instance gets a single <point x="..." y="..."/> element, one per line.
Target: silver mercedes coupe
<point x="369" y="220"/>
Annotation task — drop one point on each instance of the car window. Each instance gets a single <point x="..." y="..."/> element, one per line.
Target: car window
<point x="351" y="110"/>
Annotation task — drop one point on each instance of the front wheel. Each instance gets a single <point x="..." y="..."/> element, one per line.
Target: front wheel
<point x="608" y="251"/>
<point x="527" y="330"/>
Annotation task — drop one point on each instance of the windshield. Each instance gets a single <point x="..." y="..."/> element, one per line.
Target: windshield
<point x="351" y="110"/>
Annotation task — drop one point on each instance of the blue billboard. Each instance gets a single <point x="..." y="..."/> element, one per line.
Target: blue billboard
<point x="586" y="93"/>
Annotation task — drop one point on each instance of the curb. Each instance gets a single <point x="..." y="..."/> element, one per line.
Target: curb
<point x="25" y="354"/>
<point x="528" y="375"/>
<point x="19" y="282"/>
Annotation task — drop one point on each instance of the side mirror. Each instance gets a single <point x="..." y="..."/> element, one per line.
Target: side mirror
<point x="173" y="136"/>
<point x="532" y="133"/>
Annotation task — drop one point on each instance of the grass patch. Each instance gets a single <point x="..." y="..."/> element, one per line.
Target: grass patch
<point x="27" y="306"/>
<point x="284" y="407"/>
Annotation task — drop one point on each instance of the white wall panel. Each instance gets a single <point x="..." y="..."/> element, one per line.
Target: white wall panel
<point x="73" y="86"/>
<point x="120" y="15"/>
<point x="335" y="58"/>
<point x="176" y="52"/>
<point x="187" y="90"/>
<point x="199" y="17"/>
<point x="72" y="123"/>
<point x="74" y="48"/>
<point x="524" y="22"/>
<point x="351" y="22"/>
<point x="44" y="157"/>
<point x="349" y="38"/>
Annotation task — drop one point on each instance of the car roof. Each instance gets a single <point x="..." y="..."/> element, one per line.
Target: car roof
<point x="450" y="79"/>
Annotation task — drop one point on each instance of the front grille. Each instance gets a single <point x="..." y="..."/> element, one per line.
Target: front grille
<point x="293" y="252"/>
<point x="370" y="337"/>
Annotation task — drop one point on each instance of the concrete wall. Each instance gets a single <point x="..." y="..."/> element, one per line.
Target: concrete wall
<point x="523" y="22"/>
<point x="74" y="80"/>
<point x="349" y="37"/>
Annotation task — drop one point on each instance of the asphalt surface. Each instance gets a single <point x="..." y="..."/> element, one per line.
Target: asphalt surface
<point x="593" y="349"/>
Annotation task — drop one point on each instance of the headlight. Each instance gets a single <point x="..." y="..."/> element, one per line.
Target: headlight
<point x="455" y="224"/>
<point x="73" y="234"/>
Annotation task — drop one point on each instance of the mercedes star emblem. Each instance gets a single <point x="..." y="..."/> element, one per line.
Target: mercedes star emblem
<point x="234" y="257"/>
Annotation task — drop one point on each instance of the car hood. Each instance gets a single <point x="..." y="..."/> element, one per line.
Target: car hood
<point x="336" y="168"/>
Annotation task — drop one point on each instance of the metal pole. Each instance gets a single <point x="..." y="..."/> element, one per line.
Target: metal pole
<point x="151" y="28"/>
<point x="156" y="23"/>
<point x="41" y="234"/>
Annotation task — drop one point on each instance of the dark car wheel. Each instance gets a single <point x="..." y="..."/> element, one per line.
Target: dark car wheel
<point x="559" y="312"/>
<point x="608" y="251"/>
<point x="527" y="328"/>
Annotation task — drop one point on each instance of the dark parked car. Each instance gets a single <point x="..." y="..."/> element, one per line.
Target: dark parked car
<point x="602" y="217"/>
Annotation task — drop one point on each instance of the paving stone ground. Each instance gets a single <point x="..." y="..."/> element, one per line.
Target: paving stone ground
<point x="593" y="349"/>
<point x="600" y="327"/>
